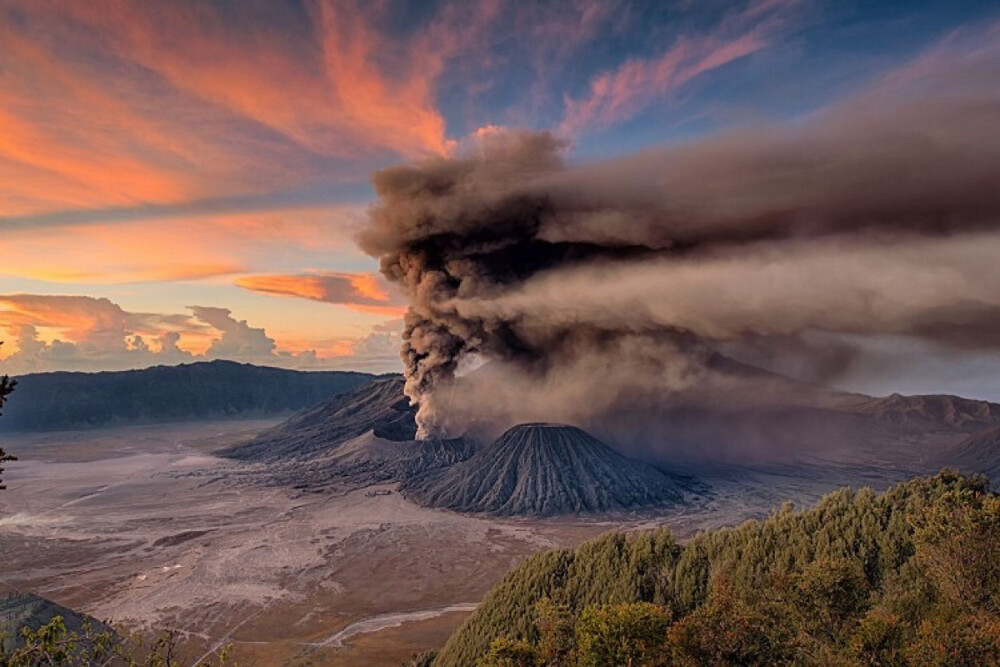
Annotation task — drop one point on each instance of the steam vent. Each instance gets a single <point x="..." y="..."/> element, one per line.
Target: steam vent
<point x="544" y="469"/>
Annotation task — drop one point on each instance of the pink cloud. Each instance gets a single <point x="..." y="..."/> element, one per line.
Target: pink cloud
<point x="201" y="246"/>
<point x="117" y="103"/>
<point x="622" y="93"/>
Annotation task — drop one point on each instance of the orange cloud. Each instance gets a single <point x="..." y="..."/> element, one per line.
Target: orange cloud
<point x="620" y="94"/>
<point x="119" y="102"/>
<point x="98" y="327"/>
<point x="67" y="141"/>
<point x="365" y="292"/>
<point x="184" y="248"/>
<point x="369" y="286"/>
<point x="401" y="112"/>
<point x="81" y="319"/>
<point x="319" y="348"/>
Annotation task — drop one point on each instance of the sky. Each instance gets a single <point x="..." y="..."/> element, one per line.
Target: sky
<point x="185" y="180"/>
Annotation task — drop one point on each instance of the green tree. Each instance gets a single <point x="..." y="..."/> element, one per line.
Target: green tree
<point x="958" y="546"/>
<point x="54" y="644"/>
<point x="960" y="640"/>
<point x="425" y="659"/>
<point x="623" y="634"/>
<point x="555" y="633"/>
<point x="878" y="639"/>
<point x="505" y="652"/>
<point x="830" y="593"/>
<point x="6" y="388"/>
<point x="727" y="630"/>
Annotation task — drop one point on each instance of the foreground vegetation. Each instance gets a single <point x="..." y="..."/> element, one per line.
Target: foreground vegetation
<point x="6" y="389"/>
<point x="100" y="646"/>
<point x="908" y="577"/>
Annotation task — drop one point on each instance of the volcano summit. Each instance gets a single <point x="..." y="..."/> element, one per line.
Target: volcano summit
<point x="544" y="469"/>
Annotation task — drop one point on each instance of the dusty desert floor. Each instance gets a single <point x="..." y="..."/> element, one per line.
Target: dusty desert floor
<point x="143" y="526"/>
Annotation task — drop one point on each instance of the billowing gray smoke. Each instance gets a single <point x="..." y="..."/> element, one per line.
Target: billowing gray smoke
<point x="583" y="284"/>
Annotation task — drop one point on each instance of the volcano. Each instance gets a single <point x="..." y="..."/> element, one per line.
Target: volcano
<point x="361" y="437"/>
<point x="378" y="406"/>
<point x="544" y="469"/>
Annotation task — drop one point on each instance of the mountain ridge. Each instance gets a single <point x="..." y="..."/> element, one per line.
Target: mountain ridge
<point x="64" y="400"/>
<point x="979" y="453"/>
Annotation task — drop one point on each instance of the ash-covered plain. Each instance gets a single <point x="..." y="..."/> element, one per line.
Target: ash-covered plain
<point x="146" y="526"/>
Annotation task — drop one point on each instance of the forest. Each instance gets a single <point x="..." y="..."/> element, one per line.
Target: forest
<point x="907" y="577"/>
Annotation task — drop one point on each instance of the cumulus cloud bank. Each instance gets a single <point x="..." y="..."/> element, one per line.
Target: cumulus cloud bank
<point x="60" y="332"/>
<point x="875" y="218"/>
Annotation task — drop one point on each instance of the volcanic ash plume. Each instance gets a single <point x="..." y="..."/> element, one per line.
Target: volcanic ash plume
<point x="583" y="284"/>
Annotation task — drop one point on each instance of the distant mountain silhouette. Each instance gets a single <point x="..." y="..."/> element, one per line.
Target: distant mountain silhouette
<point x="204" y="390"/>
<point x="931" y="411"/>
<point x="913" y="433"/>
<point x="747" y="415"/>
<point x="544" y="469"/>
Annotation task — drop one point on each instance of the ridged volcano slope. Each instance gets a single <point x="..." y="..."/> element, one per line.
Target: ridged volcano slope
<point x="543" y="469"/>
<point x="369" y="459"/>
<point x="361" y="437"/>
<point x="377" y="406"/>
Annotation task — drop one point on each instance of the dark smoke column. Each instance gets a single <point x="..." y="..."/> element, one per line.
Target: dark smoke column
<point x="608" y="282"/>
<point x="457" y="228"/>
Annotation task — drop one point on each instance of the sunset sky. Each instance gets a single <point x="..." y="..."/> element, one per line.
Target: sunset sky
<point x="184" y="180"/>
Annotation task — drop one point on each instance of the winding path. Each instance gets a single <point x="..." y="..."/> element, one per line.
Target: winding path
<point x="383" y="621"/>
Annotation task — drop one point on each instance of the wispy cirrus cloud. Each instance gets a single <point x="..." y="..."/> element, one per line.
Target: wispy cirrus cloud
<point x="115" y="103"/>
<point x="186" y="248"/>
<point x="623" y="92"/>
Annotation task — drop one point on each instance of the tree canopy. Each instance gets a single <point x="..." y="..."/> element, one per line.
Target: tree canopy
<point x="908" y="577"/>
